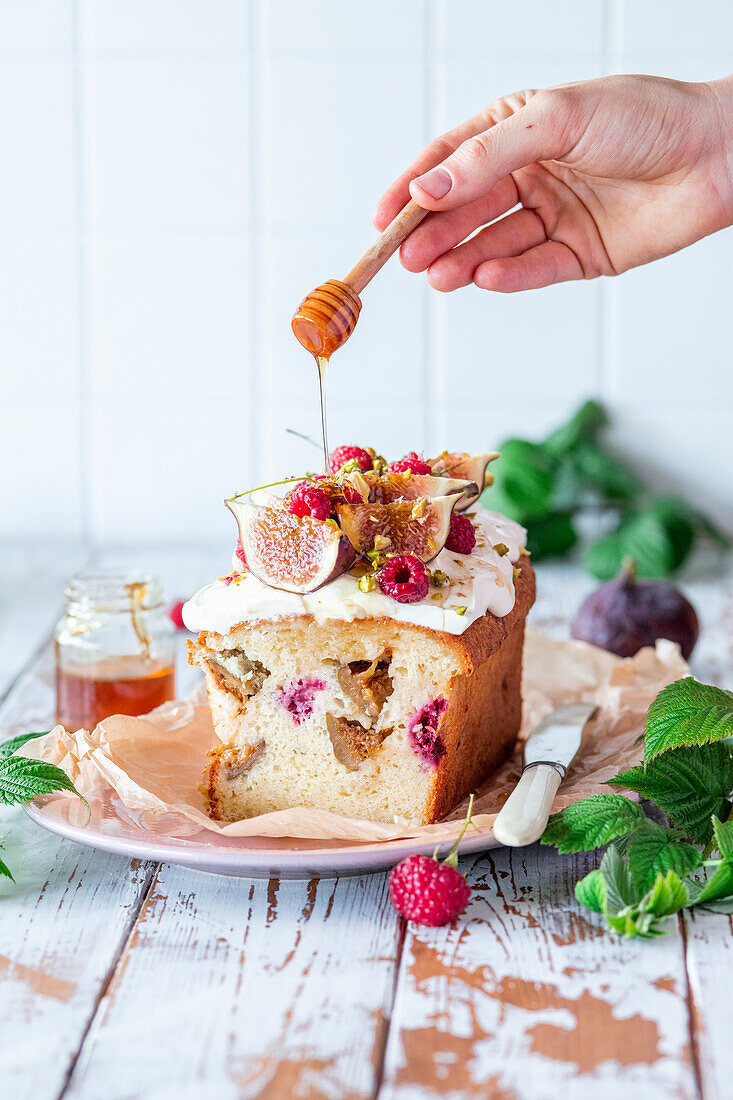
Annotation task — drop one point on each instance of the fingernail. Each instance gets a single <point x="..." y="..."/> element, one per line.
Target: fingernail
<point x="437" y="182"/>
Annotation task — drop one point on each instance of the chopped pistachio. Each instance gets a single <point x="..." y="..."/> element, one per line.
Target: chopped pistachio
<point x="515" y="572"/>
<point x="436" y="596"/>
<point x="439" y="579"/>
<point x="381" y="542"/>
<point x="461" y="610"/>
<point x="367" y="583"/>
<point x="360" y="484"/>
<point x="501" y="548"/>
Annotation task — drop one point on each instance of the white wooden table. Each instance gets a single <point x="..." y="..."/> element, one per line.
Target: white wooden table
<point x="124" y="979"/>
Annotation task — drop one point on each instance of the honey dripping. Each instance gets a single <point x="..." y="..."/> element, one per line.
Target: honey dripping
<point x="322" y="363"/>
<point x="326" y="317"/>
<point x="324" y="321"/>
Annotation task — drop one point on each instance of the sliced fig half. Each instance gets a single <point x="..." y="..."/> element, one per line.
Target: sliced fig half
<point x="391" y="487"/>
<point x="418" y="527"/>
<point x="459" y="464"/>
<point x="294" y="553"/>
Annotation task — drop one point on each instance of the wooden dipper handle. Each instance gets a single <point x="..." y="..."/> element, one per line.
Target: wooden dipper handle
<point x="385" y="246"/>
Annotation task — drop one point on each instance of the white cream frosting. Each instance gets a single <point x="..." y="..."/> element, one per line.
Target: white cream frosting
<point x="479" y="582"/>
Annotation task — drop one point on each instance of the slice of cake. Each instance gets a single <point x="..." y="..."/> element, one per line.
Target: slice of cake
<point x="392" y="689"/>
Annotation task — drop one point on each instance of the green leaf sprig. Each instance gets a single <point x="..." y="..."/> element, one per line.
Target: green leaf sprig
<point x="687" y="774"/>
<point x="545" y="485"/>
<point x="22" y="778"/>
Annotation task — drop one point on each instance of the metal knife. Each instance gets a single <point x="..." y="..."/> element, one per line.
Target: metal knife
<point x="548" y="752"/>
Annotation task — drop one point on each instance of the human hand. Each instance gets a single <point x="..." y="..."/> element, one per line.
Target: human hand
<point x="609" y="173"/>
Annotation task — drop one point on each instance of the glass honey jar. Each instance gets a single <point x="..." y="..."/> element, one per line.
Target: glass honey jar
<point x="115" y="649"/>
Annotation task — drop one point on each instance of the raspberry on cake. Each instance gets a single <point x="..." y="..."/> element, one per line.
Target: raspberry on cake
<point x="383" y="683"/>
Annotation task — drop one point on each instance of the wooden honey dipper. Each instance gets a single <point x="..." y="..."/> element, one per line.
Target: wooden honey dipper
<point x="326" y="317"/>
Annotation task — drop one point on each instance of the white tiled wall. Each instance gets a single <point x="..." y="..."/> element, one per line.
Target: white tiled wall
<point x="177" y="174"/>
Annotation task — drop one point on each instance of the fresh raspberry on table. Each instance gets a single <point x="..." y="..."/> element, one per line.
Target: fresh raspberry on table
<point x="239" y="554"/>
<point x="405" y="578"/>
<point x="462" y="536"/>
<point x="411" y="463"/>
<point x="427" y="891"/>
<point x="175" y="614"/>
<point x="307" y="499"/>
<point x="351" y="453"/>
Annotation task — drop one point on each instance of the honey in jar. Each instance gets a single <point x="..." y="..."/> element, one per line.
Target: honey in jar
<point x="115" y="649"/>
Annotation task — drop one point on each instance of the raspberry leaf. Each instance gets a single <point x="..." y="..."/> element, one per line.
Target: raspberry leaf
<point x="523" y="482"/>
<point x="687" y="713"/>
<point x="7" y="748"/>
<point x="690" y="785"/>
<point x="592" y="822"/>
<point x="583" y="427"/>
<point x="4" y="869"/>
<point x="621" y="894"/>
<point x="667" y="895"/>
<point x="723" y="833"/>
<point x="655" y="850"/>
<point x="645" y="538"/>
<point x="21" y="779"/>
<point x="551" y="536"/>
<point x="605" y="475"/>
<point x="718" y="887"/>
<point x="591" y="891"/>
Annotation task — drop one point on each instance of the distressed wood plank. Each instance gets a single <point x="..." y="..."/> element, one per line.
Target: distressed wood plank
<point x="63" y="923"/>
<point x="529" y="997"/>
<point x="247" y="989"/>
<point x="709" y="960"/>
<point x="709" y="936"/>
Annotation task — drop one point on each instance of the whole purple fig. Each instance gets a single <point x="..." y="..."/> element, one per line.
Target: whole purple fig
<point x="624" y="615"/>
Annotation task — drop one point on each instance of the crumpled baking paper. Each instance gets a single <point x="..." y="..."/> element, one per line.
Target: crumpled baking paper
<point x="154" y="763"/>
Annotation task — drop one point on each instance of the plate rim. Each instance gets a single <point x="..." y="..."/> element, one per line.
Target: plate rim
<point x="261" y="862"/>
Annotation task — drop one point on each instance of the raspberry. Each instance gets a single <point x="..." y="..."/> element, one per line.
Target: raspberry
<point x="309" y="500"/>
<point x="405" y="578"/>
<point x="239" y="554"/>
<point x="427" y="891"/>
<point x="461" y="537"/>
<point x="350" y="494"/>
<point x="423" y="730"/>
<point x="411" y="462"/>
<point x="299" y="698"/>
<point x="351" y="453"/>
<point x="175" y="614"/>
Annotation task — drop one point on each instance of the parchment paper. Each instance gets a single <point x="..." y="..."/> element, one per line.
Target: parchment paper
<point x="154" y="763"/>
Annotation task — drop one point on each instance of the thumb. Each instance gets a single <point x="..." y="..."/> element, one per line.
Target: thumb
<point x="535" y="132"/>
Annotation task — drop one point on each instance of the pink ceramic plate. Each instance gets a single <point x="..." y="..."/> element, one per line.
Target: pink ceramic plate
<point x="113" y="828"/>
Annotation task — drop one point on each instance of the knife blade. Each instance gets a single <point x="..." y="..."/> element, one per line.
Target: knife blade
<point x="548" y="753"/>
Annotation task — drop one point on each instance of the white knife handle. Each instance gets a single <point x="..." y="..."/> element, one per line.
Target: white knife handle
<point x="523" y="816"/>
